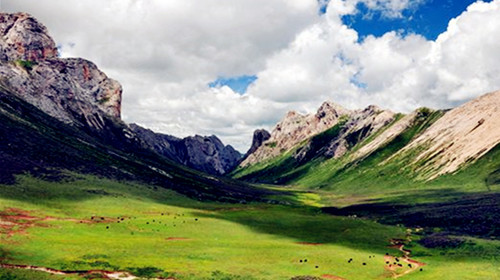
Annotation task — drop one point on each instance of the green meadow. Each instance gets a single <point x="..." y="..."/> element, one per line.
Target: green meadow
<point x="88" y="223"/>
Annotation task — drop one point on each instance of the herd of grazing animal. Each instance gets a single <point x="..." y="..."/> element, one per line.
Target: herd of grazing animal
<point x="121" y="219"/>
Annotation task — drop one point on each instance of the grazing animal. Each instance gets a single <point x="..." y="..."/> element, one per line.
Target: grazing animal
<point x="305" y="260"/>
<point x="317" y="266"/>
<point x="421" y="269"/>
<point x="364" y="263"/>
<point x="107" y="227"/>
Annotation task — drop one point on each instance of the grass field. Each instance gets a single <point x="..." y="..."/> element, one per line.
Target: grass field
<point x="87" y="223"/>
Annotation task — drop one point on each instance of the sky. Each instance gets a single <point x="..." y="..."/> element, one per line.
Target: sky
<point x="228" y="67"/>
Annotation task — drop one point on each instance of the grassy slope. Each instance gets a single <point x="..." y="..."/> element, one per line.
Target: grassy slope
<point x="277" y="170"/>
<point x="31" y="141"/>
<point x="255" y="241"/>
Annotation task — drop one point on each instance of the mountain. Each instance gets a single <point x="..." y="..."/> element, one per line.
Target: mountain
<point x="422" y="145"/>
<point x="60" y="115"/>
<point x="295" y="128"/>
<point x="203" y="153"/>
<point x="72" y="90"/>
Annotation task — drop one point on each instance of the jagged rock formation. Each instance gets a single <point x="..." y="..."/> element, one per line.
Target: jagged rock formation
<point x="359" y="126"/>
<point x="421" y="145"/>
<point x="204" y="153"/>
<point x="23" y="37"/>
<point x="461" y="136"/>
<point x="73" y="90"/>
<point x="259" y="137"/>
<point x="295" y="128"/>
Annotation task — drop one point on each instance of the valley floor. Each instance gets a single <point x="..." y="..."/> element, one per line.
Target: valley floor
<point x="84" y="226"/>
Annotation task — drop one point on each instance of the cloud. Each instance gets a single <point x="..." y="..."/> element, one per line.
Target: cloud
<point x="165" y="53"/>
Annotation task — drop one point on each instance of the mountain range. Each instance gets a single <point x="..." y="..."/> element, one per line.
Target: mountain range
<point x="335" y="194"/>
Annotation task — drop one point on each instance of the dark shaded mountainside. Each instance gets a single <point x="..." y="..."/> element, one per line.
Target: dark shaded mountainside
<point x="203" y="153"/>
<point x="63" y="114"/>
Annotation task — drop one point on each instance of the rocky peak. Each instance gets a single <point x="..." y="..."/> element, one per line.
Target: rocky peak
<point x="73" y="90"/>
<point x="259" y="137"/>
<point x="24" y="38"/>
<point x="295" y="128"/>
<point x="330" y="109"/>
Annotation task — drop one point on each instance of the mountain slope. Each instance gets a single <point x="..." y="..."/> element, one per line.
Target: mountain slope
<point x="31" y="141"/>
<point x="203" y="153"/>
<point x="362" y="152"/>
<point x="461" y="136"/>
<point x="60" y="114"/>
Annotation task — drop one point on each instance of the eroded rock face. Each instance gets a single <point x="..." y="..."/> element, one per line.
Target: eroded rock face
<point x="203" y="153"/>
<point x="73" y="90"/>
<point x="461" y="136"/>
<point x="24" y="38"/>
<point x="361" y="125"/>
<point x="259" y="137"/>
<point x="208" y="154"/>
<point x="295" y="128"/>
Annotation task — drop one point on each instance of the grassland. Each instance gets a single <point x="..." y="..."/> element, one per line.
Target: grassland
<point x="89" y="223"/>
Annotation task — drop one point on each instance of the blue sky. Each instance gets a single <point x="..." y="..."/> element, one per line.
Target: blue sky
<point x="429" y="19"/>
<point x="238" y="84"/>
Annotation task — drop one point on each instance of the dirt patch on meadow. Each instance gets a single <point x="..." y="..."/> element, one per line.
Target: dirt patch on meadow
<point x="399" y="267"/>
<point x="177" y="238"/>
<point x="123" y="275"/>
<point x="17" y="221"/>
<point x="333" y="277"/>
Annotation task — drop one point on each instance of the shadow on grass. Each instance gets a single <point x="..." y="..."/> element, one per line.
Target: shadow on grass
<point x="312" y="227"/>
<point x="476" y="214"/>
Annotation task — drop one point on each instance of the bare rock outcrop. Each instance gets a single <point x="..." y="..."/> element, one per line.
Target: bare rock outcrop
<point x="73" y="90"/>
<point x="203" y="153"/>
<point x="24" y="38"/>
<point x="360" y="125"/>
<point x="461" y="136"/>
<point x="259" y="137"/>
<point x="295" y="128"/>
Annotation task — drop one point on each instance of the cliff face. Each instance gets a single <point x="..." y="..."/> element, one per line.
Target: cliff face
<point x="203" y="153"/>
<point x="73" y="90"/>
